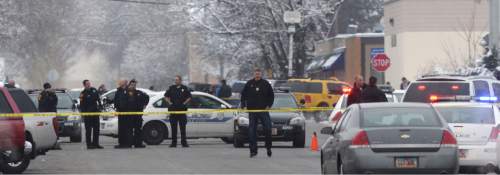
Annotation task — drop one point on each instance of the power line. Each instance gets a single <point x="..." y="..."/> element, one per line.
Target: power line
<point x="142" y="2"/>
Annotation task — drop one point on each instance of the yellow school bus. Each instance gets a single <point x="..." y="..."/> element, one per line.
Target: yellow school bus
<point x="318" y="93"/>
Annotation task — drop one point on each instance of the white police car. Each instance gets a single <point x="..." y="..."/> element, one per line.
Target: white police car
<point x="156" y="127"/>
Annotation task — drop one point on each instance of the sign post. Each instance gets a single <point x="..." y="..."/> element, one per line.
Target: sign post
<point x="292" y="18"/>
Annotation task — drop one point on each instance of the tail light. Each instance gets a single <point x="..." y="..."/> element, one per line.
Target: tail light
<point x="422" y="88"/>
<point x="346" y="90"/>
<point x="494" y="134"/>
<point x="55" y="123"/>
<point x="433" y="98"/>
<point x="361" y="139"/>
<point x="455" y="87"/>
<point x="448" y="139"/>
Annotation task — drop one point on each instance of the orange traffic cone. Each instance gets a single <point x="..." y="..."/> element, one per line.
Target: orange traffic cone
<point x="314" y="143"/>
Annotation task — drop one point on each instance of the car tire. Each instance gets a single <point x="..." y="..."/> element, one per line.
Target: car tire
<point x="227" y="140"/>
<point x="238" y="141"/>
<point x="76" y="138"/>
<point x="15" y="168"/>
<point x="154" y="133"/>
<point x="300" y="140"/>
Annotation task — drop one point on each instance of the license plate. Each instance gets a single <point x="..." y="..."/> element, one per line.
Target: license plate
<point x="406" y="162"/>
<point x="274" y="131"/>
<point x="462" y="153"/>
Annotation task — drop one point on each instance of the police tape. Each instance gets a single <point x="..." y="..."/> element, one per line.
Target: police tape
<point x="145" y="114"/>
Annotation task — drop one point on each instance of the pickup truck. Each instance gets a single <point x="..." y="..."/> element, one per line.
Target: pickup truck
<point x="38" y="132"/>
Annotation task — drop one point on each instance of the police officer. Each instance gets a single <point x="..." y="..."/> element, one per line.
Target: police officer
<point x="47" y="100"/>
<point x="355" y="94"/>
<point x="178" y="96"/>
<point x="90" y="102"/>
<point x="120" y="106"/>
<point x="258" y="95"/>
<point x="136" y="102"/>
<point x="372" y="94"/>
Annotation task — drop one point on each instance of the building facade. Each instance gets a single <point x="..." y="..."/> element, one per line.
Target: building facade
<point x="429" y="36"/>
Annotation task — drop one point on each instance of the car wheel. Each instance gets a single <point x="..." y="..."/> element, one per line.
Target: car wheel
<point x="154" y="133"/>
<point x="76" y="138"/>
<point x="238" y="141"/>
<point x="300" y="140"/>
<point x="15" y="167"/>
<point x="227" y="140"/>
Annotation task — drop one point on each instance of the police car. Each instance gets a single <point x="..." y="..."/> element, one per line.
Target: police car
<point x="156" y="127"/>
<point x="286" y="126"/>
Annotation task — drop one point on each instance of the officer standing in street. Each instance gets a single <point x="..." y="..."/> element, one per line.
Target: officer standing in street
<point x="178" y="96"/>
<point x="258" y="95"/>
<point x="47" y="100"/>
<point x="136" y="102"/>
<point x="120" y="106"/>
<point x="90" y="102"/>
<point x="372" y="94"/>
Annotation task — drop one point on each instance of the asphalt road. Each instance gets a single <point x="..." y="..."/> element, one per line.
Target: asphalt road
<point x="206" y="156"/>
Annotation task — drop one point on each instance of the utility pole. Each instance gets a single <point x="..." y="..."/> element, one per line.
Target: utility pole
<point x="494" y="38"/>
<point x="292" y="18"/>
<point x="291" y="31"/>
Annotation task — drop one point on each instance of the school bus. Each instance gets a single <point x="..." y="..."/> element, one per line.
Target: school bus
<point x="318" y="93"/>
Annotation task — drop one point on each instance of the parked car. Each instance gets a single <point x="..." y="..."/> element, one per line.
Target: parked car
<point x="389" y="138"/>
<point x="476" y="128"/>
<point x="201" y="125"/>
<point x="40" y="131"/>
<point x="286" y="126"/>
<point x="13" y="143"/>
<point x="429" y="88"/>
<point x="69" y="126"/>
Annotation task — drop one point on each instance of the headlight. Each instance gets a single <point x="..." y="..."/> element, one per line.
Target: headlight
<point x="73" y="118"/>
<point x="297" y="121"/>
<point x="243" y="121"/>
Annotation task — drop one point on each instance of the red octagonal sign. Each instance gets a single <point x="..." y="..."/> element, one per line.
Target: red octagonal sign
<point x="381" y="62"/>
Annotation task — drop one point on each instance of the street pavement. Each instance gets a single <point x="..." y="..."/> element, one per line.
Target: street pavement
<point x="205" y="156"/>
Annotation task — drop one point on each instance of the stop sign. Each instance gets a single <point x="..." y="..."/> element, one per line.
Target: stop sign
<point x="381" y="62"/>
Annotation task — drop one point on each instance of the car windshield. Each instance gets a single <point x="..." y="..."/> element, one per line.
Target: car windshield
<point x="284" y="101"/>
<point x="467" y="115"/>
<point x="238" y="87"/>
<point x="422" y="92"/>
<point x="399" y="117"/>
<point x="64" y="101"/>
<point x="74" y="94"/>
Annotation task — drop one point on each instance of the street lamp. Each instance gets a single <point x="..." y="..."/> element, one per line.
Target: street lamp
<point x="291" y="18"/>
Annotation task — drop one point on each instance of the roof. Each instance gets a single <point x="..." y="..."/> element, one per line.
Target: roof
<point x="360" y="35"/>
<point x="393" y="105"/>
<point x="463" y="104"/>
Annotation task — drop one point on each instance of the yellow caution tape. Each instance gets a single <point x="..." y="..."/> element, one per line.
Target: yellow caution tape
<point x="95" y="114"/>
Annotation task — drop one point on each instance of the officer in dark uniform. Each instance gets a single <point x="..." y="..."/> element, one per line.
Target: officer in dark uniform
<point x="258" y="95"/>
<point x="120" y="102"/>
<point x="47" y="100"/>
<point x="136" y="102"/>
<point x="90" y="102"/>
<point x="178" y="96"/>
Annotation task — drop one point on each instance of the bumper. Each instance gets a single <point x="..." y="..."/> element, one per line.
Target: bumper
<point x="109" y="126"/>
<point x="478" y="155"/>
<point x="70" y="128"/>
<point x="284" y="132"/>
<point x="361" y="160"/>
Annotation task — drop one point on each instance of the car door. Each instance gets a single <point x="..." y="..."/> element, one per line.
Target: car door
<point x="161" y="106"/>
<point x="330" y="150"/>
<point x="212" y="122"/>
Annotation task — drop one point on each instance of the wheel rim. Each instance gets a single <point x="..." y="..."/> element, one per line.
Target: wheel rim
<point x="154" y="133"/>
<point x="15" y="164"/>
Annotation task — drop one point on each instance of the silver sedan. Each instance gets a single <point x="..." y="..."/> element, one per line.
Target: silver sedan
<point x="389" y="138"/>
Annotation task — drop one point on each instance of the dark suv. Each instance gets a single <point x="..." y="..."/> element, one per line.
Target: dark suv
<point x="69" y="126"/>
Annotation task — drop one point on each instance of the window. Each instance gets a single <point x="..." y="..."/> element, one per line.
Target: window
<point x="303" y="87"/>
<point x="23" y="102"/>
<point x="469" y="115"/>
<point x="421" y="92"/>
<point x="399" y="117"/>
<point x="161" y="103"/>
<point x="481" y="89"/>
<point x="340" y="124"/>
<point x="4" y="105"/>
<point x="284" y="101"/>
<point x="496" y="90"/>
<point x="202" y="102"/>
<point x="335" y="88"/>
<point x="64" y="101"/>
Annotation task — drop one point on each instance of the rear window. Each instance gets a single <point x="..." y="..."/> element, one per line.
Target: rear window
<point x="481" y="89"/>
<point x="399" y="117"/>
<point x="4" y="105"/>
<point x="23" y="101"/>
<point x="336" y="88"/>
<point x="469" y="115"/>
<point x="421" y="92"/>
<point x="303" y="87"/>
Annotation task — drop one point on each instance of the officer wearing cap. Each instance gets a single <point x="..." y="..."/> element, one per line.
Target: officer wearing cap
<point x="90" y="102"/>
<point x="47" y="100"/>
<point x="178" y="96"/>
<point x="136" y="101"/>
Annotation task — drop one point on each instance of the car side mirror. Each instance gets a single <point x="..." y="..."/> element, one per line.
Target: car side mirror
<point x="327" y="131"/>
